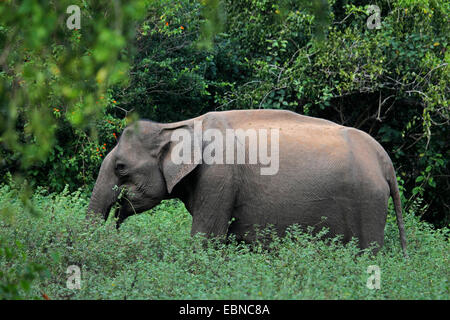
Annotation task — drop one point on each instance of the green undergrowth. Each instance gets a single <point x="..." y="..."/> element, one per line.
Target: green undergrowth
<point x="153" y="256"/>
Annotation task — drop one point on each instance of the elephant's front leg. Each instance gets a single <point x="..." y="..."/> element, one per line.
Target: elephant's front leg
<point x="214" y="202"/>
<point x="212" y="222"/>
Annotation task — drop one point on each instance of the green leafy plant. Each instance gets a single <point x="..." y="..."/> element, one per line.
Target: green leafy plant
<point x="153" y="256"/>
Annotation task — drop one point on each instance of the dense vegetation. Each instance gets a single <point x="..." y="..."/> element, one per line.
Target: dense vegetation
<point x="154" y="257"/>
<point x="66" y="95"/>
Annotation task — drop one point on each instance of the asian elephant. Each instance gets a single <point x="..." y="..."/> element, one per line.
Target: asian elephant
<point x="326" y="175"/>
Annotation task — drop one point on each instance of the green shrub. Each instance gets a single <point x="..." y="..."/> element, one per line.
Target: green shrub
<point x="153" y="256"/>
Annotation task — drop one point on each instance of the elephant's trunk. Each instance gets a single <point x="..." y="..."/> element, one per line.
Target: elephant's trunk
<point x="105" y="191"/>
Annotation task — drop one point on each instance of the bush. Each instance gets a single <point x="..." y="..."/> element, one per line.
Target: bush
<point x="153" y="256"/>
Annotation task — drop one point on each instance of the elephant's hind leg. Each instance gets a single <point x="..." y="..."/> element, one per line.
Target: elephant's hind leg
<point x="373" y="221"/>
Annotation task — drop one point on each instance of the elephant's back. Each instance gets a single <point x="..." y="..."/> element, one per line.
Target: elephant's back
<point x="342" y="160"/>
<point x="266" y="118"/>
<point x="316" y="156"/>
<point x="320" y="163"/>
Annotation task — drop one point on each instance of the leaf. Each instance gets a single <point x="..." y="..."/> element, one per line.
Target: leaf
<point x="416" y="190"/>
<point x="432" y="183"/>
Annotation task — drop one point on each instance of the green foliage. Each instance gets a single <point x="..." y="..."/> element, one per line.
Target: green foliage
<point x="154" y="257"/>
<point x="65" y="96"/>
<point x="53" y="84"/>
<point x="173" y="76"/>
<point x="18" y="272"/>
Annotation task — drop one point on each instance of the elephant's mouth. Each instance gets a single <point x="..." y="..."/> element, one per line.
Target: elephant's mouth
<point x="127" y="207"/>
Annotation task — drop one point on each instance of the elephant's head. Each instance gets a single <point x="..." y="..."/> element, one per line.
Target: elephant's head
<point x="139" y="172"/>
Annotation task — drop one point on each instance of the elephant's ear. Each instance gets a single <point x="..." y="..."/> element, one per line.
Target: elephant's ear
<point x="181" y="151"/>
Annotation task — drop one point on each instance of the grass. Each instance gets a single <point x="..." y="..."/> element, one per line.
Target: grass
<point x="153" y="256"/>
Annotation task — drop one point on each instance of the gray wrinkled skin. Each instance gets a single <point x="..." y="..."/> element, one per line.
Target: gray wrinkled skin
<point x="325" y="170"/>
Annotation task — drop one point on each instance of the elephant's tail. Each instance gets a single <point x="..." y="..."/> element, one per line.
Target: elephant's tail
<point x="395" y="194"/>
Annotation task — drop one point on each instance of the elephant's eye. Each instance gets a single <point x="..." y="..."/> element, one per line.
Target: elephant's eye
<point x="120" y="167"/>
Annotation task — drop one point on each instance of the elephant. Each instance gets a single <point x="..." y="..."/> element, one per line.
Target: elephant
<point x="328" y="175"/>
